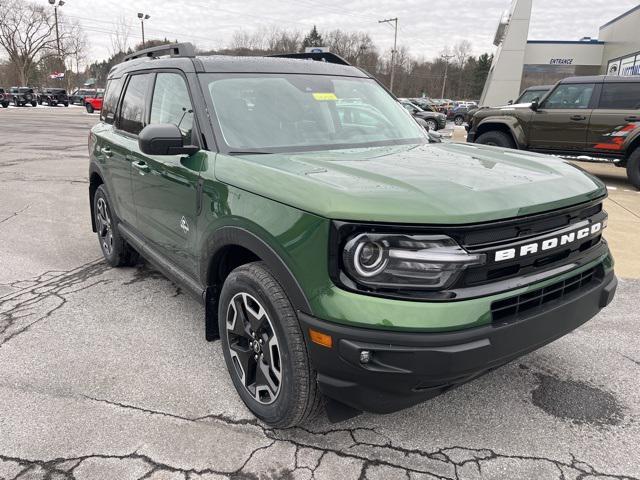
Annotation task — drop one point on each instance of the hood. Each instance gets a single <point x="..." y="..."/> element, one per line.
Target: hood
<point x="440" y="183"/>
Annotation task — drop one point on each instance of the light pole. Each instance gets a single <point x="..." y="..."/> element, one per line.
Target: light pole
<point x="56" y="4"/>
<point x="142" y="17"/>
<point x="393" y="52"/>
<point x="446" y="69"/>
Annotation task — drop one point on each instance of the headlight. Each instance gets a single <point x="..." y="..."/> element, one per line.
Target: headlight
<point x="419" y="262"/>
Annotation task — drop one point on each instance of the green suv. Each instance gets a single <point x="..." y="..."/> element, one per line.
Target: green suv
<point x="338" y="253"/>
<point x="580" y="116"/>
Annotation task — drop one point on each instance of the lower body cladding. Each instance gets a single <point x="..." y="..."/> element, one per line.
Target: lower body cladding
<point x="385" y="371"/>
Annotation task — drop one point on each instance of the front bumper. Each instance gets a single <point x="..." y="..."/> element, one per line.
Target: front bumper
<point x="407" y="368"/>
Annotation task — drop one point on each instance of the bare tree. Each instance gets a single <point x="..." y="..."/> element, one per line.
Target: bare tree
<point x="26" y="31"/>
<point x="120" y="36"/>
<point x="75" y="44"/>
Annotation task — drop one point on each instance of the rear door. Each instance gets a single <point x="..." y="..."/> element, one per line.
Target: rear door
<point x="165" y="187"/>
<point x="562" y="119"/>
<point x="616" y="116"/>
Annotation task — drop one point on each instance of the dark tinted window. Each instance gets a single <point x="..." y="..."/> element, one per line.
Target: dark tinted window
<point x="621" y="96"/>
<point x="112" y="95"/>
<point x="131" y="117"/>
<point x="171" y="103"/>
<point x="570" y="95"/>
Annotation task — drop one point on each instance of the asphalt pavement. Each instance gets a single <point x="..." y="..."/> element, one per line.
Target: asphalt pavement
<point x="105" y="373"/>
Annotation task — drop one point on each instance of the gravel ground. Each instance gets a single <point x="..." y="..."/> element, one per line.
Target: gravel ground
<point x="105" y="374"/>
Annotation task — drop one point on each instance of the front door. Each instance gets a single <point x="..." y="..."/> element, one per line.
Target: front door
<point x="562" y="120"/>
<point x="165" y="188"/>
<point x="616" y="116"/>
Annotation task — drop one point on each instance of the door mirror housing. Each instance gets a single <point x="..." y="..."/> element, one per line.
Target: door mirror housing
<point x="534" y="105"/>
<point x="510" y="102"/>
<point x="164" y="139"/>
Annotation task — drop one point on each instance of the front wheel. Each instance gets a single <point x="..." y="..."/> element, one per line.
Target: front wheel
<point x="34" y="104"/>
<point x="497" y="139"/>
<point x="89" y="108"/>
<point x="5" y="104"/>
<point x="264" y="348"/>
<point x="432" y="124"/>
<point x="114" y="248"/>
<point x="458" y="120"/>
<point x="633" y="168"/>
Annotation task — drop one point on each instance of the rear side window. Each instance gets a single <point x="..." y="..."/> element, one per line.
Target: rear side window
<point x="131" y="117"/>
<point x="171" y="103"/>
<point x="112" y="95"/>
<point x="620" y="96"/>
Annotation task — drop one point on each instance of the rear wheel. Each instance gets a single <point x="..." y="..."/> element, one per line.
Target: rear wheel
<point x="5" y="104"/>
<point x="114" y="248"/>
<point x="497" y="139"/>
<point x="633" y="168"/>
<point x="264" y="348"/>
<point x="89" y="108"/>
<point x="34" y="104"/>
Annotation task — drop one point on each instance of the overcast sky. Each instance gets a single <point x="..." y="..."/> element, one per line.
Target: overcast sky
<point x="426" y="27"/>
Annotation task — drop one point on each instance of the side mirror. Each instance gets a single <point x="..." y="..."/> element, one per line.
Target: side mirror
<point x="534" y="105"/>
<point x="163" y="139"/>
<point x="510" y="102"/>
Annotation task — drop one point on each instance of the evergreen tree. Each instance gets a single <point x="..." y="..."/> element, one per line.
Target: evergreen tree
<point x="480" y="74"/>
<point x="313" y="39"/>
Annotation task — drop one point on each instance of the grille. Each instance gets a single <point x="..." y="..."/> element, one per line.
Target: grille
<point x="510" y="308"/>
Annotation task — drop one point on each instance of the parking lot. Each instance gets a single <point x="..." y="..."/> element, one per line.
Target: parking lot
<point x="105" y="373"/>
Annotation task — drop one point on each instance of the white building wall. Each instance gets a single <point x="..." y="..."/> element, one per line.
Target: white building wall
<point x="506" y="70"/>
<point x="570" y="54"/>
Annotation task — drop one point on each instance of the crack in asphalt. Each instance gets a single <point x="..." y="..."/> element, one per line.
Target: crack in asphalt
<point x="17" y="308"/>
<point x="15" y="214"/>
<point x="444" y="463"/>
<point x="367" y="448"/>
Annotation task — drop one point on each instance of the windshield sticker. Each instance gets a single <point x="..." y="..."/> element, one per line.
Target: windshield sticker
<point x="325" y="97"/>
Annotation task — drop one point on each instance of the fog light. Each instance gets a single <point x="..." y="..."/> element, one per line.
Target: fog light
<point x="365" y="356"/>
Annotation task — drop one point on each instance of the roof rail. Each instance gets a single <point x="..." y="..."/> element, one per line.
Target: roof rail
<point x="171" y="49"/>
<point x="317" y="56"/>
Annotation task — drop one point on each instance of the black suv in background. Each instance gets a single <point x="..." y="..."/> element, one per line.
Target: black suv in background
<point x="53" y="97"/>
<point x="5" y="98"/>
<point x="23" y="96"/>
<point x="596" y="116"/>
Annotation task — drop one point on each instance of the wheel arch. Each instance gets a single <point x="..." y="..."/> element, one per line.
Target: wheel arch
<point x="632" y="145"/>
<point x="230" y="247"/>
<point x="95" y="180"/>
<point x="506" y="125"/>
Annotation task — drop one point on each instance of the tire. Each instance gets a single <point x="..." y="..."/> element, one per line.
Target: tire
<point x="458" y="120"/>
<point x="496" y="138"/>
<point x="5" y="104"/>
<point x="34" y="104"/>
<point x="286" y="398"/>
<point x="432" y="124"/>
<point x="66" y="104"/>
<point x="114" y="248"/>
<point x="89" y="108"/>
<point x="633" y="168"/>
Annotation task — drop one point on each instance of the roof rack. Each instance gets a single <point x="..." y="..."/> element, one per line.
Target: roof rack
<point x="172" y="49"/>
<point x="317" y="56"/>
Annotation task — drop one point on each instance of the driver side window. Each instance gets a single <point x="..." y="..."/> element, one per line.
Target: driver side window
<point x="569" y="96"/>
<point x="171" y="104"/>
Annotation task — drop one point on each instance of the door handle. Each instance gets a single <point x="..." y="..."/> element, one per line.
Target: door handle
<point x="632" y="118"/>
<point x="106" y="151"/>
<point x="578" y="118"/>
<point x="141" y="166"/>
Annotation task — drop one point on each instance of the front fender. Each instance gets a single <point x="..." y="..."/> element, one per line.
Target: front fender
<point x="513" y="124"/>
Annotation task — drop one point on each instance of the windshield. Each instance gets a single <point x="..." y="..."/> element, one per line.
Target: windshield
<point x="530" y="95"/>
<point x="291" y="112"/>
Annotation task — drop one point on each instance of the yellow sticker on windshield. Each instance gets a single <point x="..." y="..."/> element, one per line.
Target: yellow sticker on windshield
<point x="325" y="97"/>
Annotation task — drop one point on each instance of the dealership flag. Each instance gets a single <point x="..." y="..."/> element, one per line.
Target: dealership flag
<point x="57" y="75"/>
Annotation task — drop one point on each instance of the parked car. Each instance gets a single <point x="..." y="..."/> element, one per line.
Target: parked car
<point x="338" y="256"/>
<point x="5" y="98"/>
<point x="94" y="103"/>
<point x="22" y="96"/>
<point x="594" y="116"/>
<point x="78" y="96"/>
<point x="434" y="120"/>
<point x="460" y="114"/>
<point x="53" y="97"/>
<point x="530" y="94"/>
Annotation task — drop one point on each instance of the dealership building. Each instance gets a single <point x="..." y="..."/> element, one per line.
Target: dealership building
<point x="520" y="63"/>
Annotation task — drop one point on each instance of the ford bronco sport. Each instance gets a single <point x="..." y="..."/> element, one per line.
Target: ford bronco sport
<point x="594" y="116"/>
<point x="338" y="255"/>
